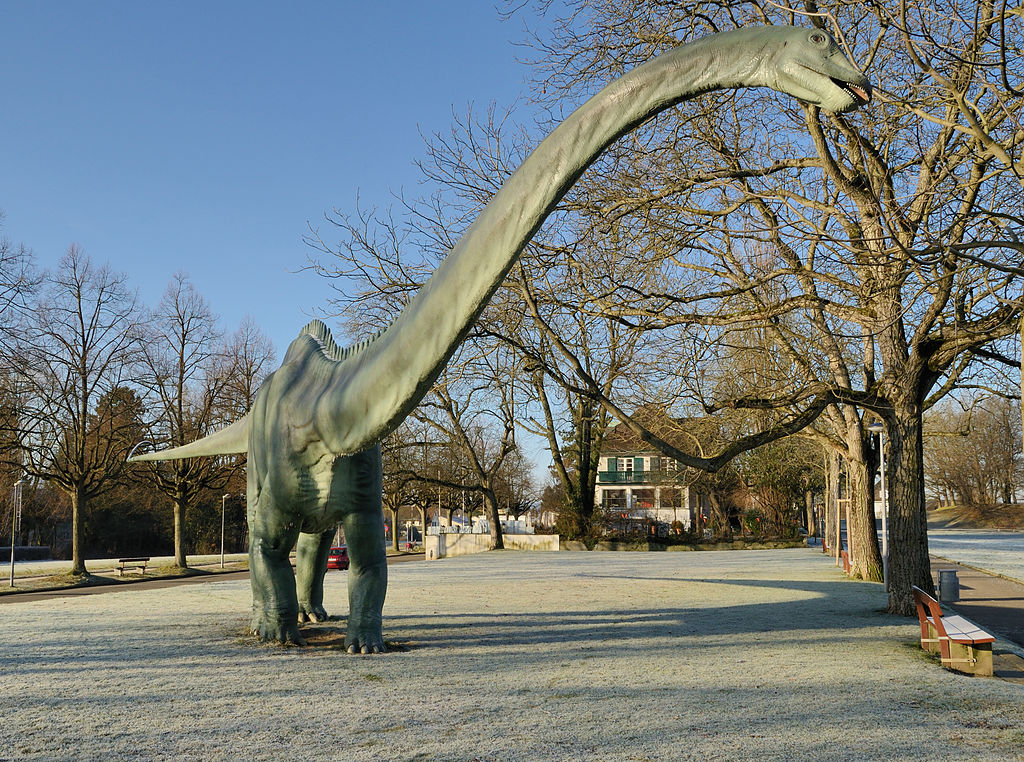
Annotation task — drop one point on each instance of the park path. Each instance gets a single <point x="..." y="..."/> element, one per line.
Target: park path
<point x="997" y="605"/>
<point x="990" y="570"/>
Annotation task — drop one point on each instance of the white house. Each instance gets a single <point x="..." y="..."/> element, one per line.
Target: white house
<point x="640" y="483"/>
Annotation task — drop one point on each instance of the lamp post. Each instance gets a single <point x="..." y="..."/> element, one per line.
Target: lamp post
<point x="223" y="505"/>
<point x="131" y="452"/>
<point x="15" y="520"/>
<point x="878" y="428"/>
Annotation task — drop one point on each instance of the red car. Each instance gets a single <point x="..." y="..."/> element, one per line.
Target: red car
<point x="338" y="558"/>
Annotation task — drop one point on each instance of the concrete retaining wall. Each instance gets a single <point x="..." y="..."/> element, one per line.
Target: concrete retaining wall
<point x="657" y="546"/>
<point x="455" y="544"/>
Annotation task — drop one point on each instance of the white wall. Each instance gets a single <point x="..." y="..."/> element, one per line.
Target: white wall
<point x="446" y="545"/>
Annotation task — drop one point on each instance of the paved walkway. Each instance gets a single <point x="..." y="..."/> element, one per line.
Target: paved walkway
<point x="997" y="605"/>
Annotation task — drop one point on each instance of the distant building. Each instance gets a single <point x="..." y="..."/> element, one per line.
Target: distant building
<point x="638" y="483"/>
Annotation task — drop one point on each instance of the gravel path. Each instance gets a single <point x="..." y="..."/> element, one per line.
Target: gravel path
<point x="510" y="656"/>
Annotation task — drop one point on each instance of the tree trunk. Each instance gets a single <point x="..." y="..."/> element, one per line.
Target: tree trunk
<point x="423" y="522"/>
<point x="77" y="505"/>
<point x="180" y="503"/>
<point x="581" y="495"/>
<point x="908" y="526"/>
<point x="862" y="532"/>
<point x="491" y="505"/>
<point x="812" y="525"/>
<point x="394" y="528"/>
<point x="719" y="520"/>
<point x="832" y="503"/>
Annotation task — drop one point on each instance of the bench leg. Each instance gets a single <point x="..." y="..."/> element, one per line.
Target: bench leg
<point x="971" y="660"/>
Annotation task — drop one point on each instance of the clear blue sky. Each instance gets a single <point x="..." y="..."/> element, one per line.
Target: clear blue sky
<point x="202" y="136"/>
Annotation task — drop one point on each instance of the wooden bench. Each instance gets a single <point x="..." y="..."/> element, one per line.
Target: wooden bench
<point x="139" y="563"/>
<point x="961" y="644"/>
<point x="846" y="562"/>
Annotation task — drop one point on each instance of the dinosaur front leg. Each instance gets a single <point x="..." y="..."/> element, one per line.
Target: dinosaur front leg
<point x="310" y="566"/>
<point x="275" y="606"/>
<point x="368" y="579"/>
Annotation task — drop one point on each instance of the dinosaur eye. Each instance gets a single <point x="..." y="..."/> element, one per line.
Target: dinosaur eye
<point x="818" y="38"/>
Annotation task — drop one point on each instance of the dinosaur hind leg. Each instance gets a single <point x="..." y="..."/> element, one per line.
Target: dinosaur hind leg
<point x="275" y="606"/>
<point x="367" y="581"/>
<point x="310" y="566"/>
<point x="363" y="519"/>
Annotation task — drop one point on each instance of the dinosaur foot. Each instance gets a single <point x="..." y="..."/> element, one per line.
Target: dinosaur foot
<point x="309" y="613"/>
<point x="284" y="632"/>
<point x="365" y="643"/>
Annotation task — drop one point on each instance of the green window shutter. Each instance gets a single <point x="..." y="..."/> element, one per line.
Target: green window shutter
<point x="638" y="464"/>
<point x="611" y="464"/>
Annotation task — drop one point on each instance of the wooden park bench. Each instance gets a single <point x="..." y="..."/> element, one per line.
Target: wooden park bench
<point x="139" y="563"/>
<point x="961" y="645"/>
<point x="846" y="561"/>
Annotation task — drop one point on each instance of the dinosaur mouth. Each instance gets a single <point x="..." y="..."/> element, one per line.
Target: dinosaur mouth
<point x="860" y="95"/>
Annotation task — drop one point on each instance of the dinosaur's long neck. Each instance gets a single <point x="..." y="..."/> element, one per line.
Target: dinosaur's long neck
<point x="374" y="392"/>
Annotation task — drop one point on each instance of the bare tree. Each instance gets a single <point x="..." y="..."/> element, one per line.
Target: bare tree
<point x="184" y="358"/>
<point x="515" y="488"/>
<point x="586" y="362"/>
<point x="18" y="281"/>
<point x="472" y="407"/>
<point x="973" y="455"/>
<point x="878" y="249"/>
<point x="408" y="454"/>
<point x="78" y="352"/>
<point x="246" y="361"/>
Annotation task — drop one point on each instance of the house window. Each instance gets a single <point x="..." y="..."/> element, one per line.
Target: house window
<point x="624" y="464"/>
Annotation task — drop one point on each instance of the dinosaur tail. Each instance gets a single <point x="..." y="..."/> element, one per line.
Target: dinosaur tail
<point x="228" y="441"/>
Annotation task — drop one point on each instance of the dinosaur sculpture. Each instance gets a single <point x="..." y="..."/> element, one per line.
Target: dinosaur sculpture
<point x="313" y="434"/>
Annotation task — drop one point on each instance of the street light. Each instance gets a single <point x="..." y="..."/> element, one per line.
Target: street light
<point x="131" y="453"/>
<point x="878" y="428"/>
<point x="15" y="520"/>
<point x="223" y="505"/>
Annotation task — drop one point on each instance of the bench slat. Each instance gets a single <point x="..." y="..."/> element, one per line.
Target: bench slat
<point x="964" y="630"/>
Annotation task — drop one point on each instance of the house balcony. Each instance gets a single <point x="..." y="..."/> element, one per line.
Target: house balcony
<point x="652" y="478"/>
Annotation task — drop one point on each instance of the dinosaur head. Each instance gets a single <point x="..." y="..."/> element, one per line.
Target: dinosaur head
<point x="811" y="67"/>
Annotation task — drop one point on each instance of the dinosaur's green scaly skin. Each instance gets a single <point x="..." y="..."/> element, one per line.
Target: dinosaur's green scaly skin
<point x="313" y="434"/>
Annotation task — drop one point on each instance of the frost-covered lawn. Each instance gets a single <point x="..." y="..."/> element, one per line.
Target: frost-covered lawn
<point x="999" y="552"/>
<point x="107" y="565"/>
<point x="511" y="656"/>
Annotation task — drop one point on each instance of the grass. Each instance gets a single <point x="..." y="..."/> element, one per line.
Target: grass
<point x="767" y="655"/>
<point x="33" y="581"/>
<point x="1005" y="517"/>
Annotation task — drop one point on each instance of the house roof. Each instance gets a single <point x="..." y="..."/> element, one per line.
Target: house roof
<point x="678" y="432"/>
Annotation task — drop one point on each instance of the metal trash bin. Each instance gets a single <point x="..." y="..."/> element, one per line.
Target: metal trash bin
<point x="949" y="586"/>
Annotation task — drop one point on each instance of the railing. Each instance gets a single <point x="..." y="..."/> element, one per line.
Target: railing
<point x="638" y="477"/>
